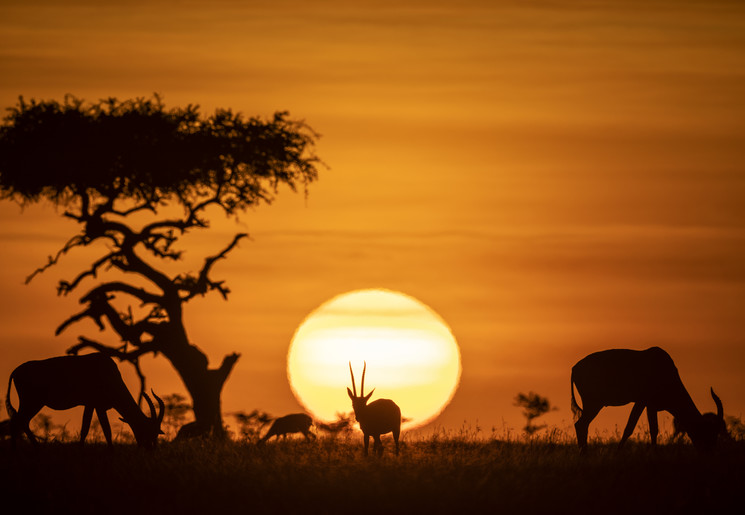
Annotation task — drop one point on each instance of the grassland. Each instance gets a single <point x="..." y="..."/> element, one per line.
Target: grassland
<point x="437" y="474"/>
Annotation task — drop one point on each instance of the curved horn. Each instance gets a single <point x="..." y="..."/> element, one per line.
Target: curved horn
<point x="161" y="407"/>
<point x="354" y="388"/>
<point x="718" y="402"/>
<point x="362" y="386"/>
<point x="149" y="403"/>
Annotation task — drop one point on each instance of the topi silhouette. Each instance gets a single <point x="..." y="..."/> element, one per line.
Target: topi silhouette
<point x="650" y="380"/>
<point x="90" y="380"/>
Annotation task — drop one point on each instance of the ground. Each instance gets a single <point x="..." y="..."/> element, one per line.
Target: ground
<point x="439" y="474"/>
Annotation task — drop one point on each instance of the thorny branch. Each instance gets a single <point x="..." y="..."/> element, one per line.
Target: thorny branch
<point x="75" y="241"/>
<point x="66" y="287"/>
<point x="202" y="284"/>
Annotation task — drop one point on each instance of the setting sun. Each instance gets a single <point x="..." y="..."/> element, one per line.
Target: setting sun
<point x="411" y="355"/>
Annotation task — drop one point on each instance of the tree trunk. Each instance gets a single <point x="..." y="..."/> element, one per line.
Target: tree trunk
<point x="203" y="384"/>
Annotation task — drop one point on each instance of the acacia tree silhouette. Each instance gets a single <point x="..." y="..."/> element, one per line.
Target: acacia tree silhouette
<point x="251" y="424"/>
<point x="177" y="408"/>
<point x="533" y="406"/>
<point x="111" y="163"/>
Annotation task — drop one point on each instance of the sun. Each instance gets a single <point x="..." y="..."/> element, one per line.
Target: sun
<point x="411" y="354"/>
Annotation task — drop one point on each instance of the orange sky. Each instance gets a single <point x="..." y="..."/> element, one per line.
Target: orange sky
<point x="552" y="179"/>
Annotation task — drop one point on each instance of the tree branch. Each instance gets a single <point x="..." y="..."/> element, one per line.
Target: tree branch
<point x="66" y="287"/>
<point x="116" y="286"/>
<point x="131" y="262"/>
<point x="89" y="312"/>
<point x="142" y="207"/>
<point x="202" y="284"/>
<point x="78" y="240"/>
<point x="121" y="353"/>
<point x="99" y="307"/>
<point x="226" y="367"/>
<point x="160" y="245"/>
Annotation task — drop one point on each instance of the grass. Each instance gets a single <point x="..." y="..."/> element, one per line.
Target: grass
<point x="442" y="473"/>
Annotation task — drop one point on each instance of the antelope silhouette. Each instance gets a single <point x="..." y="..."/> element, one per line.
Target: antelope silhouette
<point x="293" y="423"/>
<point x="90" y="380"/>
<point x="377" y="418"/>
<point x="650" y="380"/>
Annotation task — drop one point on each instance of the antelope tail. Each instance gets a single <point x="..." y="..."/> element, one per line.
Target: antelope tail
<point x="8" y="406"/>
<point x="576" y="410"/>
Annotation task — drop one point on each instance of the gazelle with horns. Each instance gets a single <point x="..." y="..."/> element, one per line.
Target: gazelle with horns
<point x="380" y="417"/>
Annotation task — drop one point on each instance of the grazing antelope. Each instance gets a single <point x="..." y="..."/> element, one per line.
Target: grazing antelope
<point x="293" y="423"/>
<point x="188" y="431"/>
<point x="377" y="418"/>
<point x="679" y="432"/>
<point x="650" y="380"/>
<point x="90" y="380"/>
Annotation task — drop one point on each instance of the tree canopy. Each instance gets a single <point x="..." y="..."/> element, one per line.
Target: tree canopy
<point x="140" y="150"/>
<point x="113" y="158"/>
<point x="533" y="406"/>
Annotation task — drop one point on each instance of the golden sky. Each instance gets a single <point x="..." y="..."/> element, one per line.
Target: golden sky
<point x="552" y="178"/>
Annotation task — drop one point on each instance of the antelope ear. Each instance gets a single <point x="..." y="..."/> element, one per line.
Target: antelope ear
<point x="367" y="397"/>
<point x="349" y="392"/>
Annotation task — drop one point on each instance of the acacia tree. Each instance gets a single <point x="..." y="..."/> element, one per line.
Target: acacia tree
<point x="533" y="406"/>
<point x="111" y="164"/>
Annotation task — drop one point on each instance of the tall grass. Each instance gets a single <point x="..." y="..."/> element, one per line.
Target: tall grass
<point x="444" y="472"/>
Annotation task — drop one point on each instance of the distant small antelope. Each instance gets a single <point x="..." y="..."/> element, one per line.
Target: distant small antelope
<point x="377" y="418"/>
<point x="650" y="380"/>
<point x="188" y="431"/>
<point x="293" y="423"/>
<point x="90" y="380"/>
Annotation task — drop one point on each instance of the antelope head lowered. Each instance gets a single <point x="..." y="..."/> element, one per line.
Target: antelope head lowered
<point x="377" y="418"/>
<point x="90" y="380"/>
<point x="650" y="380"/>
<point x="293" y="423"/>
